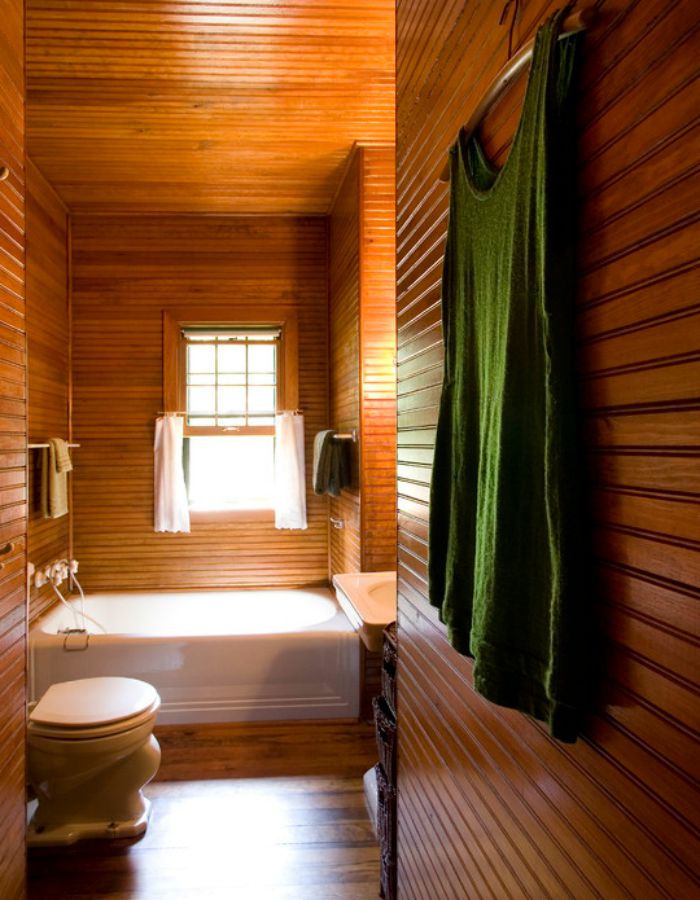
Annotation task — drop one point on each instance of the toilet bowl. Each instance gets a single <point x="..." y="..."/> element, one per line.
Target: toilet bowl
<point x="91" y="750"/>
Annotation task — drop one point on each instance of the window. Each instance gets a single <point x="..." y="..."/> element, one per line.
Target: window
<point x="229" y="377"/>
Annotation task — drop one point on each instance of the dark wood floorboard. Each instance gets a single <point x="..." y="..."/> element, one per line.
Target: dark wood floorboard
<point x="293" y="837"/>
<point x="299" y="836"/>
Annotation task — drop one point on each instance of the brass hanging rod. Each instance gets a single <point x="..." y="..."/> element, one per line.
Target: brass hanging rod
<point x="579" y="20"/>
<point x="346" y="436"/>
<point x="180" y="412"/>
<point x="41" y="446"/>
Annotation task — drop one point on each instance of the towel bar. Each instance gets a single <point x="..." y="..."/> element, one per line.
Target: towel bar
<point x="40" y="446"/>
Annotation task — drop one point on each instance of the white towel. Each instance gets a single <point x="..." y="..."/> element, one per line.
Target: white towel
<point x="290" y="482"/>
<point x="171" y="510"/>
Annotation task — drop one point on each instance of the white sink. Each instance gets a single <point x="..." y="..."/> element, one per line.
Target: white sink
<point x="368" y="599"/>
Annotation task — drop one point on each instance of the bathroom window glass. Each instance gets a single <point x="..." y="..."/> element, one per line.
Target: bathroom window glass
<point x="231" y="379"/>
<point x="231" y="397"/>
<point x="229" y="473"/>
<point x="228" y="370"/>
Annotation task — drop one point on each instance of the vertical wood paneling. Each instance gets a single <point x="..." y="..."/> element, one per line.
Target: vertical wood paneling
<point x="13" y="501"/>
<point x="125" y="272"/>
<point x="48" y="353"/>
<point x="489" y="805"/>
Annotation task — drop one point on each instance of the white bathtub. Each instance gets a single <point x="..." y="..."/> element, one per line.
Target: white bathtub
<point x="213" y="656"/>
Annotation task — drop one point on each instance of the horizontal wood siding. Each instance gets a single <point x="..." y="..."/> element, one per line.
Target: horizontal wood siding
<point x="48" y="352"/>
<point x="363" y="347"/>
<point x="233" y="108"/>
<point x="377" y="354"/>
<point x="362" y="375"/>
<point x="125" y="272"/>
<point x="13" y="458"/>
<point x="489" y="805"/>
<point x="344" y="316"/>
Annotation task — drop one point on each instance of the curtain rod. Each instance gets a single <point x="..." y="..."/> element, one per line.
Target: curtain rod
<point x="579" y="20"/>
<point x="181" y="412"/>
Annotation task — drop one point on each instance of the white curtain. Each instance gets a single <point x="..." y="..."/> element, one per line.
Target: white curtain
<point x="290" y="485"/>
<point x="171" y="507"/>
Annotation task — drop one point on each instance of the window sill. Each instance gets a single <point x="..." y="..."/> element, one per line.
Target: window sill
<point x="211" y="516"/>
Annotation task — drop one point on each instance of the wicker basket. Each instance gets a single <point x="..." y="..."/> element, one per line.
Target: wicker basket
<point x="386" y="831"/>
<point x="385" y="727"/>
<point x="389" y="658"/>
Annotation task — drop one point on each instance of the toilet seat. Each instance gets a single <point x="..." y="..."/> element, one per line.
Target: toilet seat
<point x="93" y="707"/>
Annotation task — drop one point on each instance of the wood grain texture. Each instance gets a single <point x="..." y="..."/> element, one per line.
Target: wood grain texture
<point x="13" y="456"/>
<point x="205" y="107"/>
<point x="126" y="271"/>
<point x="489" y="805"/>
<point x="371" y="682"/>
<point x="344" y="341"/>
<point x="48" y="365"/>
<point x="265" y="750"/>
<point x="362" y="347"/>
<point x="377" y="352"/>
<point x="284" y="838"/>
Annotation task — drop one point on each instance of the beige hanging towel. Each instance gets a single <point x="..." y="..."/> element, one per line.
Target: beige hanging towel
<point x="55" y="466"/>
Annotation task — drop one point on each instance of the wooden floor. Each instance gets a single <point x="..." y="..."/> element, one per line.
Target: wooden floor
<point x="261" y="835"/>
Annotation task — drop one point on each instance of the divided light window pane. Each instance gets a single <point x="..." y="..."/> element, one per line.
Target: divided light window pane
<point x="201" y="359"/>
<point x="231" y="377"/>
<point x="232" y="358"/>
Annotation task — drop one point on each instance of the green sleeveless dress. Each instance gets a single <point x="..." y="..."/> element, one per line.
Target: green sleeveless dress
<point x="504" y="543"/>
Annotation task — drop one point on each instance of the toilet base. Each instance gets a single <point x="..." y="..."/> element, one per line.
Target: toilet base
<point x="70" y="832"/>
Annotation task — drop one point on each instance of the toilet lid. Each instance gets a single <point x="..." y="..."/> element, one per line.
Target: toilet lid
<point x="93" y="701"/>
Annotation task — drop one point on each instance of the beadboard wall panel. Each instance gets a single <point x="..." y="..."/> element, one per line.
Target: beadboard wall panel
<point x="377" y="354"/>
<point x="363" y="347"/>
<point x="344" y="337"/>
<point x="48" y="353"/>
<point x="362" y="306"/>
<point x="126" y="270"/>
<point x="489" y="805"/>
<point x="233" y="108"/>
<point x="13" y="455"/>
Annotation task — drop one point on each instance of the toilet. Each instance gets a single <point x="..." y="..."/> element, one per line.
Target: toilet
<point x="91" y="750"/>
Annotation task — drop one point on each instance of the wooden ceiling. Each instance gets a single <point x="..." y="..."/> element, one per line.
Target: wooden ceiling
<point x="230" y="107"/>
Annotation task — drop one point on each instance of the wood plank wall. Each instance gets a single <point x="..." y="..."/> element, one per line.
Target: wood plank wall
<point x="344" y="360"/>
<point x="362" y="349"/>
<point x="48" y="352"/>
<point x="362" y="304"/>
<point x="489" y="805"/>
<point x="13" y="457"/>
<point x="126" y="270"/>
<point x="377" y="358"/>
